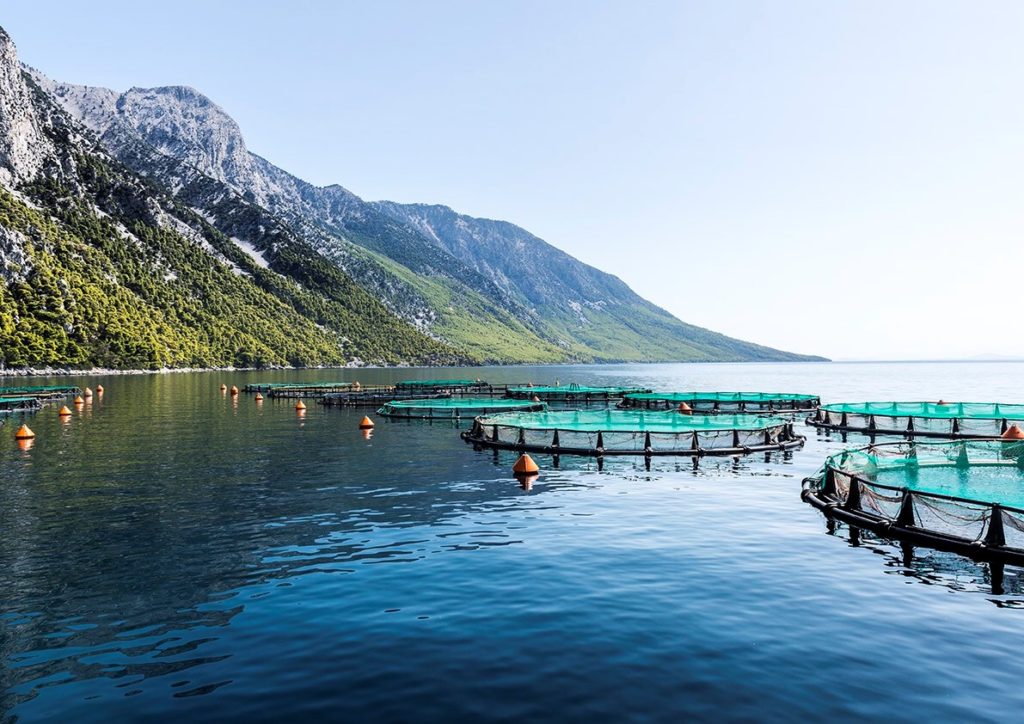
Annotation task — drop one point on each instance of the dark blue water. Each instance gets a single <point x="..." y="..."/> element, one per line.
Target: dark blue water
<point x="170" y="554"/>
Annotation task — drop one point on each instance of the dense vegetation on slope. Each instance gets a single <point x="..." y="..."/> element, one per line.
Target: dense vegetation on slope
<point x="112" y="290"/>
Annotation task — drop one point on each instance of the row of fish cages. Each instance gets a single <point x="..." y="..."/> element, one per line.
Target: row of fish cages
<point x="962" y="494"/>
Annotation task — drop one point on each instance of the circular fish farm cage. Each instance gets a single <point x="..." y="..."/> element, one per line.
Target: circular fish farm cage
<point x="722" y="401"/>
<point x="920" y="419"/>
<point x="571" y="393"/>
<point x="454" y="408"/>
<point x="963" y="496"/>
<point x="631" y="432"/>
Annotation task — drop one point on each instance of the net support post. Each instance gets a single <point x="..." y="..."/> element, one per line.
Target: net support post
<point x="905" y="518"/>
<point x="994" y="536"/>
<point x="853" y="496"/>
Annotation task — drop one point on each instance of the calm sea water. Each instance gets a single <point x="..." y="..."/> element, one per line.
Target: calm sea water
<point x="172" y="554"/>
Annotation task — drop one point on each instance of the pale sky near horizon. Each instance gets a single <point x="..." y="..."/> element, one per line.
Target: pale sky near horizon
<point x="836" y="178"/>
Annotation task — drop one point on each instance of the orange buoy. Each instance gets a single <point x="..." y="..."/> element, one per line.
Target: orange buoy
<point x="64" y="412"/>
<point x="87" y="393"/>
<point x="684" y="409"/>
<point x="223" y="387"/>
<point x="234" y="390"/>
<point x="536" y="399"/>
<point x="259" y="397"/>
<point x="300" y="405"/>
<point x="79" y="400"/>
<point x="525" y="466"/>
<point x="24" y="433"/>
<point x="1013" y="432"/>
<point x="99" y="389"/>
<point x="366" y="423"/>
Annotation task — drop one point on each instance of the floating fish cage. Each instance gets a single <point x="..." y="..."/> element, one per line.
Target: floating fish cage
<point x="425" y="385"/>
<point x="631" y="432"/>
<point x="571" y="393"/>
<point x="10" y="405"/>
<point x="964" y="496"/>
<point x="376" y="397"/>
<point x="722" y="401"/>
<point x="920" y="419"/>
<point x="454" y="408"/>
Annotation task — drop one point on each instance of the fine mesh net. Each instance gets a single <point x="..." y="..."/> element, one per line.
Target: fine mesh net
<point x="954" y="419"/>
<point x="728" y="401"/>
<point x="447" y="407"/>
<point x="630" y="431"/>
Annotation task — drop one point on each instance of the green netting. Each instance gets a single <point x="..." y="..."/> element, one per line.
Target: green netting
<point x="976" y="410"/>
<point x="439" y="383"/>
<point x="447" y="407"/>
<point x="721" y="396"/>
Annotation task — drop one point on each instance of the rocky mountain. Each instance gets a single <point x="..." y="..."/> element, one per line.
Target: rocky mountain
<point x="101" y="267"/>
<point x="438" y="282"/>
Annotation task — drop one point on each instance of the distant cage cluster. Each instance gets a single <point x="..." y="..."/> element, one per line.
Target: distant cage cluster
<point x="921" y="419"/>
<point x="632" y="432"/>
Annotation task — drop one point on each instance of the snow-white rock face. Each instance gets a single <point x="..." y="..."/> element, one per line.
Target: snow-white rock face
<point x="24" y="148"/>
<point x="14" y="262"/>
<point x="182" y="123"/>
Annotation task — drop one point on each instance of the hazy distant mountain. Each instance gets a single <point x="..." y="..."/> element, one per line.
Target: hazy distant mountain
<point x="465" y="288"/>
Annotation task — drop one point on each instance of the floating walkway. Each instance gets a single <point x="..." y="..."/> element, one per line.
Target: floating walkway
<point x="965" y="496"/>
<point x="920" y="419"/>
<point x="722" y="401"/>
<point x="571" y="393"/>
<point x="631" y="432"/>
<point x="455" y="408"/>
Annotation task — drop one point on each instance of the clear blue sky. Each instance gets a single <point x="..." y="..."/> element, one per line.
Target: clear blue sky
<point x="837" y="178"/>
